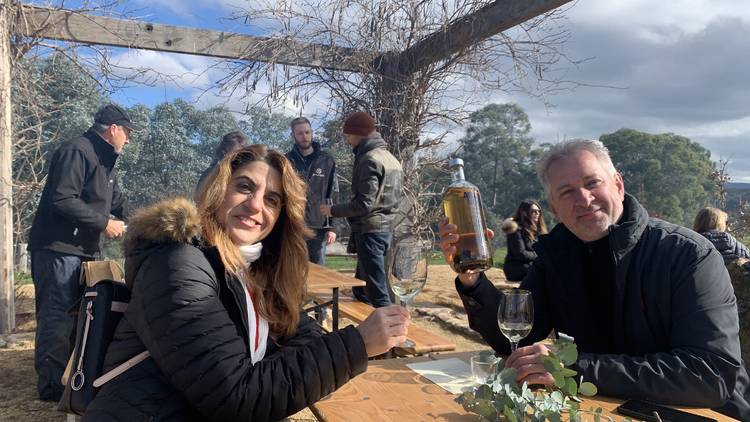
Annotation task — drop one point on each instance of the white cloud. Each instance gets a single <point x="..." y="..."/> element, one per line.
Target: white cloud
<point x="164" y="69"/>
<point x="656" y="21"/>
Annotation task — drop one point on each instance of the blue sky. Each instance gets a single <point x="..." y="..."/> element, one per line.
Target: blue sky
<point x="676" y="67"/>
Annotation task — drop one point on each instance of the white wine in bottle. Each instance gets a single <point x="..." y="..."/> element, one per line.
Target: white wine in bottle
<point x="462" y="204"/>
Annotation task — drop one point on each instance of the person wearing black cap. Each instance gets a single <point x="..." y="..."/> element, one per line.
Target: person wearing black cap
<point x="376" y="193"/>
<point x="78" y="200"/>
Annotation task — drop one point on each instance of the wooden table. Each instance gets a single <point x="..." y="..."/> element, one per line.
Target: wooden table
<point x="389" y="391"/>
<point x="319" y="278"/>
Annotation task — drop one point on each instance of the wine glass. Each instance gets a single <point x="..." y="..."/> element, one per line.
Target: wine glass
<point x="515" y="315"/>
<point x="408" y="273"/>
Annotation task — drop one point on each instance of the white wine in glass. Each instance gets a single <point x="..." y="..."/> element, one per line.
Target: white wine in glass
<point x="408" y="273"/>
<point x="515" y="315"/>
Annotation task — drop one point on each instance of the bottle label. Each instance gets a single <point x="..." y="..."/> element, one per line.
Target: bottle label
<point x="474" y="205"/>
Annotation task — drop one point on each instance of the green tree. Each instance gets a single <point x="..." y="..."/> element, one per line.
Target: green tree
<point x="166" y="160"/>
<point x="668" y="173"/>
<point x="499" y="158"/>
<point x="265" y="127"/>
<point x="53" y="100"/>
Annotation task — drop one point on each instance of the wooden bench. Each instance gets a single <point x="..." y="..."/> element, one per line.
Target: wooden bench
<point x="425" y="341"/>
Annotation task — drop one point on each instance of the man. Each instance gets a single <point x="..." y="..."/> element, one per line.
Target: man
<point x="74" y="211"/>
<point x="376" y="193"/>
<point x="318" y="169"/>
<point x="649" y="303"/>
<point x="230" y="142"/>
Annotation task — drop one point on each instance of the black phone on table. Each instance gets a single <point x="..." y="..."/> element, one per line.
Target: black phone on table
<point x="644" y="410"/>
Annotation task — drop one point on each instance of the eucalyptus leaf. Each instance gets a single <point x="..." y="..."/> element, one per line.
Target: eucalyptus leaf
<point x="551" y="363"/>
<point x="559" y="380"/>
<point x="485" y="409"/>
<point x="587" y="389"/>
<point x="571" y="388"/>
<point x="483" y="392"/>
<point x="567" y="372"/>
<point x="487" y="356"/>
<point x="508" y="376"/>
<point x="568" y="354"/>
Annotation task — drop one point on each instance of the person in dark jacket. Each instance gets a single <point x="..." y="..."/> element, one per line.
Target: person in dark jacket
<point x="521" y="232"/>
<point x="230" y="142"/>
<point x="712" y="224"/>
<point x="318" y="169"/>
<point x="649" y="303"/>
<point x="216" y="294"/>
<point x="376" y="193"/>
<point x="78" y="201"/>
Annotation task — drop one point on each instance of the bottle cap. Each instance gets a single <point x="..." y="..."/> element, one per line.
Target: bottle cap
<point x="455" y="162"/>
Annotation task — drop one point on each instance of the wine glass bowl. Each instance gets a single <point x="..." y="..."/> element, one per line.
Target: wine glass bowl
<point x="515" y="315"/>
<point x="407" y="273"/>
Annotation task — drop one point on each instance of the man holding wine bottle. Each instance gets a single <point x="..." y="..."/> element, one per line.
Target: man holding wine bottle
<point x="376" y="193"/>
<point x="318" y="169"/>
<point x="649" y="303"/>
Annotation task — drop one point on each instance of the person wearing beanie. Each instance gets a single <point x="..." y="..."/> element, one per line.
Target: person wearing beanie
<point x="79" y="198"/>
<point x="371" y="212"/>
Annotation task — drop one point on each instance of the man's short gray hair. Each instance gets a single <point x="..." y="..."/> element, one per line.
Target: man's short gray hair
<point x="567" y="148"/>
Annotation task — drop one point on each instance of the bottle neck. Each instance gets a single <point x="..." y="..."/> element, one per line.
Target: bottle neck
<point x="458" y="174"/>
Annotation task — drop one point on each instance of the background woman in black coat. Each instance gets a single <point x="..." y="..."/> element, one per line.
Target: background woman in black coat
<point x="521" y="233"/>
<point x="712" y="224"/>
<point x="216" y="299"/>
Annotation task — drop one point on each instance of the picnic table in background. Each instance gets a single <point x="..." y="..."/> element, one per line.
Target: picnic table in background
<point x="319" y="279"/>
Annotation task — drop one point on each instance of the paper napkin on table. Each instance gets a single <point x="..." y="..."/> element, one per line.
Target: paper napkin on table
<point x="452" y="374"/>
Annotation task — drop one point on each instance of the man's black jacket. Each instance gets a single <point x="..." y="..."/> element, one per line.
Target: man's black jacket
<point x="675" y="315"/>
<point x="319" y="172"/>
<point x="376" y="188"/>
<point x="80" y="194"/>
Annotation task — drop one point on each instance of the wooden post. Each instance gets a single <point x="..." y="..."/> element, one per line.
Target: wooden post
<point x="7" y="308"/>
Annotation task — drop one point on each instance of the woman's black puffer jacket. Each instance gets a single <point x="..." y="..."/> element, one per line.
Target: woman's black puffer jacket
<point x="520" y="251"/>
<point x="730" y="248"/>
<point x="193" y="321"/>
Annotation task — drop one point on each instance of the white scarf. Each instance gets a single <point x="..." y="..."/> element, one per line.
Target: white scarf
<point x="256" y="324"/>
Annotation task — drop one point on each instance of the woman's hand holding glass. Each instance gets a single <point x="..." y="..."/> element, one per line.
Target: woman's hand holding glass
<point x="385" y="328"/>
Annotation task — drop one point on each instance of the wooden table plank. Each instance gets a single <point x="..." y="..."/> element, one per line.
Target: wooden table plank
<point x="389" y="391"/>
<point x="320" y="277"/>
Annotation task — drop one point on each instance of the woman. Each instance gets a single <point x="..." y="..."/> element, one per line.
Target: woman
<point x="230" y="142"/>
<point x="521" y="233"/>
<point x="712" y="223"/>
<point x="216" y="294"/>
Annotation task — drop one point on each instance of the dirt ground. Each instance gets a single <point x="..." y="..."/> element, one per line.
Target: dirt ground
<point x="18" y="400"/>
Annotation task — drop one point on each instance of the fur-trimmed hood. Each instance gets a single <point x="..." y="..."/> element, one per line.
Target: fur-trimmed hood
<point x="509" y="226"/>
<point x="174" y="220"/>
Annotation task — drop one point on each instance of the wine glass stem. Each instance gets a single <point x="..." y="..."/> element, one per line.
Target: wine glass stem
<point x="513" y="346"/>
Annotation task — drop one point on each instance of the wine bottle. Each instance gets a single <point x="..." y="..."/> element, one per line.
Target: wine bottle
<point x="462" y="204"/>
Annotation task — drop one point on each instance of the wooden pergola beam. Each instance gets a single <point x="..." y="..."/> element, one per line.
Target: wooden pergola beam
<point x="83" y="28"/>
<point x="7" y="291"/>
<point x="471" y="29"/>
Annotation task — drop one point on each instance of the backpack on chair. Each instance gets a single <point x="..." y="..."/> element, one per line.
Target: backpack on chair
<point x="102" y="306"/>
